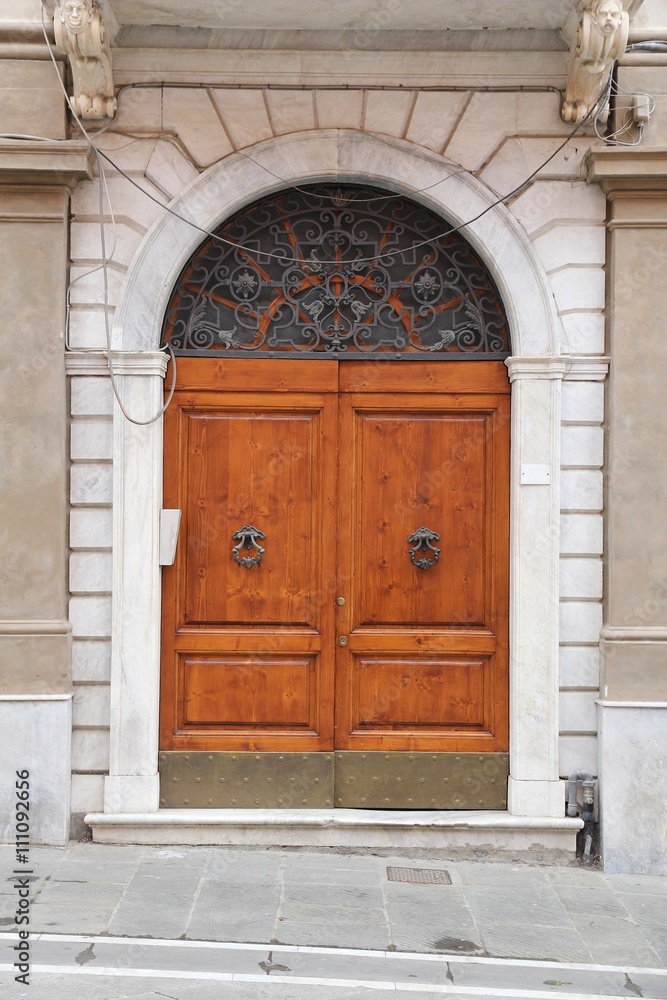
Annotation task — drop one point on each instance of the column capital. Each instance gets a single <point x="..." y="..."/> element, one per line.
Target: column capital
<point x="580" y="368"/>
<point x="619" y="169"/>
<point x="124" y="363"/>
<point x="36" y="162"/>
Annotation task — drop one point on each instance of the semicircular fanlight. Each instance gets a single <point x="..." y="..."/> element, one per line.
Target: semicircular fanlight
<point x="336" y="271"/>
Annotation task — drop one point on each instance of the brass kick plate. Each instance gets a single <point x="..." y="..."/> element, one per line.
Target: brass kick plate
<point x="400" y="780"/>
<point x="348" y="779"/>
<point x="224" y="780"/>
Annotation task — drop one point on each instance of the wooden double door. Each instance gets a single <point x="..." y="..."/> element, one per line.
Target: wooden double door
<point x="341" y="577"/>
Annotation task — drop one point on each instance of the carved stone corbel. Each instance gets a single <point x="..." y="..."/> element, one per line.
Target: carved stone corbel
<point x="80" y="35"/>
<point x="601" y="39"/>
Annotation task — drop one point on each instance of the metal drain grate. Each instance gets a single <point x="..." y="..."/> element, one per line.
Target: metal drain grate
<point x="419" y="876"/>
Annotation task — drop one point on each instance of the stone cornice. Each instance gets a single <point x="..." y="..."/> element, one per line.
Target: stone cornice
<point x="124" y="363"/>
<point x="633" y="633"/>
<point x="41" y="163"/>
<point x="617" y="169"/>
<point x="587" y="369"/>
<point x="35" y="626"/>
<point x="536" y="368"/>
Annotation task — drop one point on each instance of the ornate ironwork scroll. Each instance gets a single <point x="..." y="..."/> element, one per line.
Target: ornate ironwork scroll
<point x="336" y="272"/>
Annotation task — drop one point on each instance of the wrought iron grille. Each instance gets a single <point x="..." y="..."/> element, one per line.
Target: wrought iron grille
<point x="336" y="272"/>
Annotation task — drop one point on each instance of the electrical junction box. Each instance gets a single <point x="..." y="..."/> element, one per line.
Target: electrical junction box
<point x="535" y="475"/>
<point x="170" y="520"/>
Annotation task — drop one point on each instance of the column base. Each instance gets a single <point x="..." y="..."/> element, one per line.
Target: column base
<point x="133" y="793"/>
<point x="536" y="798"/>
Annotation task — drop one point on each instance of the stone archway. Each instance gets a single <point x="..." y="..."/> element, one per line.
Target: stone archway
<point x="536" y="370"/>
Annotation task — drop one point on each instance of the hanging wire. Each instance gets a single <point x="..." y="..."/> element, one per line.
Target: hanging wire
<point x="102" y="187"/>
<point x="593" y="115"/>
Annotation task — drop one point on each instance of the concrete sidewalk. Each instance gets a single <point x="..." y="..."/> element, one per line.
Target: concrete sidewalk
<point x="493" y="909"/>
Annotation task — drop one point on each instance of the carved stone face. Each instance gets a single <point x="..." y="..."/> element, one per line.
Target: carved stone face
<point x="76" y="14"/>
<point x="607" y="15"/>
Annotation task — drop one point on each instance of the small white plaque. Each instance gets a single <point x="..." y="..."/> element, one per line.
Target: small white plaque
<point x="169" y="524"/>
<point x="535" y="475"/>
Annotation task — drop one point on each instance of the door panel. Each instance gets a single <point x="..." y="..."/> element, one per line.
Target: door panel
<point x="419" y="470"/>
<point x="235" y="692"/>
<point x="255" y="468"/>
<point x="429" y="695"/>
<point x="424" y="662"/>
<point x="336" y="639"/>
<point x="247" y="652"/>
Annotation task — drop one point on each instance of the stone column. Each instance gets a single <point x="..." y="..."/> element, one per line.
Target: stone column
<point x="535" y="788"/>
<point x="633" y="703"/>
<point x="132" y="785"/>
<point x="36" y="179"/>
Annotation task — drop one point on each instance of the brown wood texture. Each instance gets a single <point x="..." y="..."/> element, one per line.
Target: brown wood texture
<point x="248" y="654"/>
<point x="438" y="460"/>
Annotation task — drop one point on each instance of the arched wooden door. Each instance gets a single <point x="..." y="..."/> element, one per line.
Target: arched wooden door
<point x="335" y="626"/>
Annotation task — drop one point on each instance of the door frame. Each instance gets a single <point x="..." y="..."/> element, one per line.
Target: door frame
<point x="536" y="371"/>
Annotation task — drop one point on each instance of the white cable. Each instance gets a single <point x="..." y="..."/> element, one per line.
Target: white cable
<point x="254" y="252"/>
<point x="107" y="329"/>
<point x="363" y="260"/>
<point x="99" y="154"/>
<point x="101" y="189"/>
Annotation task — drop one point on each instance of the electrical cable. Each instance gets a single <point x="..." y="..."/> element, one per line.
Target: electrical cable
<point x="101" y="188"/>
<point x="253" y="252"/>
<point x="626" y="127"/>
<point x="594" y="112"/>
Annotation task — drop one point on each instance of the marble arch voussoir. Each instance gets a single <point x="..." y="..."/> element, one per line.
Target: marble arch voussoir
<point x="323" y="155"/>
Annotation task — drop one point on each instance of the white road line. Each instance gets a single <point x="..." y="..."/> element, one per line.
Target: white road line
<point x="351" y="952"/>
<point x="229" y="977"/>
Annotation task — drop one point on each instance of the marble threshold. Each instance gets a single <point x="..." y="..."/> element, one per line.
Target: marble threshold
<point x="355" y="828"/>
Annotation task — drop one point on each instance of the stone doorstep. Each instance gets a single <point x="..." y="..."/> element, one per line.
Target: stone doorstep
<point x="358" y="828"/>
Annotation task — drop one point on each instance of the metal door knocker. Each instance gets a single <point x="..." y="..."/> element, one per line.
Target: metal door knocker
<point x="421" y="539"/>
<point x="247" y="538"/>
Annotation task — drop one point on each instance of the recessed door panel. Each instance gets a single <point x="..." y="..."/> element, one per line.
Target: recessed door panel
<point x="428" y="694"/>
<point x="243" y="692"/>
<point x="421" y="470"/>
<point x="256" y="470"/>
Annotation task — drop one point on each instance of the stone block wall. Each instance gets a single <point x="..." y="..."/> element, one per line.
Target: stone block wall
<point x="164" y="139"/>
<point x="90" y="584"/>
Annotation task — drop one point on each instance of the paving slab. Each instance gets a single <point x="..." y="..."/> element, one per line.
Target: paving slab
<point x="645" y="909"/>
<point x="66" y="919"/>
<point x="374" y="936"/>
<point x="652" y="885"/>
<point x="294" y="875"/>
<point x="530" y="941"/>
<point x="657" y="938"/>
<point x="498" y="875"/>
<point x="327" y="898"/>
<point x="490" y="904"/>
<point x="611" y="942"/>
<point x="595" y="902"/>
